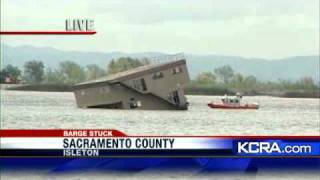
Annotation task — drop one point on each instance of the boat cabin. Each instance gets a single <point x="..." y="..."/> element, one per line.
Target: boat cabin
<point x="232" y="100"/>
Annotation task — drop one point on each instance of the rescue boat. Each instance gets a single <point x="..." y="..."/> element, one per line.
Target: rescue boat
<point x="233" y="103"/>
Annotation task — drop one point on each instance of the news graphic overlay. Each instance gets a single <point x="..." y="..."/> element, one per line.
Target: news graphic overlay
<point x="113" y="143"/>
<point x="72" y="27"/>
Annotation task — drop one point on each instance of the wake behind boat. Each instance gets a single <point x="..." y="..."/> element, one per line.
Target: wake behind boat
<point x="233" y="103"/>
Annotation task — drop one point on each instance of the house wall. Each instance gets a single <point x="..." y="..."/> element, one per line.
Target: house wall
<point x="106" y="94"/>
<point x="167" y="84"/>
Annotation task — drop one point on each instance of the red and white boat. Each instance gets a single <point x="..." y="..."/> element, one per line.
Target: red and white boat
<point x="233" y="103"/>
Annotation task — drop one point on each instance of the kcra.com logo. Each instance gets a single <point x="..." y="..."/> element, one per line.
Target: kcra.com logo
<point x="271" y="148"/>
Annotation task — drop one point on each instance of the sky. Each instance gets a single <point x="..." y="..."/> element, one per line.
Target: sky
<point x="248" y="28"/>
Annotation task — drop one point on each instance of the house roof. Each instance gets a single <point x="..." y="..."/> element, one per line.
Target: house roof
<point x="132" y="73"/>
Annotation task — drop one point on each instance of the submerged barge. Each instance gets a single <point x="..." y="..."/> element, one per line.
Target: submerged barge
<point x="154" y="87"/>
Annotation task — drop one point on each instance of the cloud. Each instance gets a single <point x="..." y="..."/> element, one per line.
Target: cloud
<point x="262" y="28"/>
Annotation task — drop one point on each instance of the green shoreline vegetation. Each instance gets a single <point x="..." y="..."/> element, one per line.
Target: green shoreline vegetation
<point x="222" y="80"/>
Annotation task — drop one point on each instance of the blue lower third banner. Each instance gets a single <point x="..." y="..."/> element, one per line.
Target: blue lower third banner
<point x="64" y="150"/>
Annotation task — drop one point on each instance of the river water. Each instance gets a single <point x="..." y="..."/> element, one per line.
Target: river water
<point x="277" y="116"/>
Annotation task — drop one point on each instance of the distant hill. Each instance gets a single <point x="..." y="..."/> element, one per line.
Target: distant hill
<point x="291" y="68"/>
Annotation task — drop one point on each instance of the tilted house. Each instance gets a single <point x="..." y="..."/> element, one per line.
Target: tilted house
<point x="155" y="86"/>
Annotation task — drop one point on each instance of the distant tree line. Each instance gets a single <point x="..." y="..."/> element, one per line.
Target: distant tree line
<point x="225" y="80"/>
<point x="67" y="72"/>
<point x="218" y="81"/>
